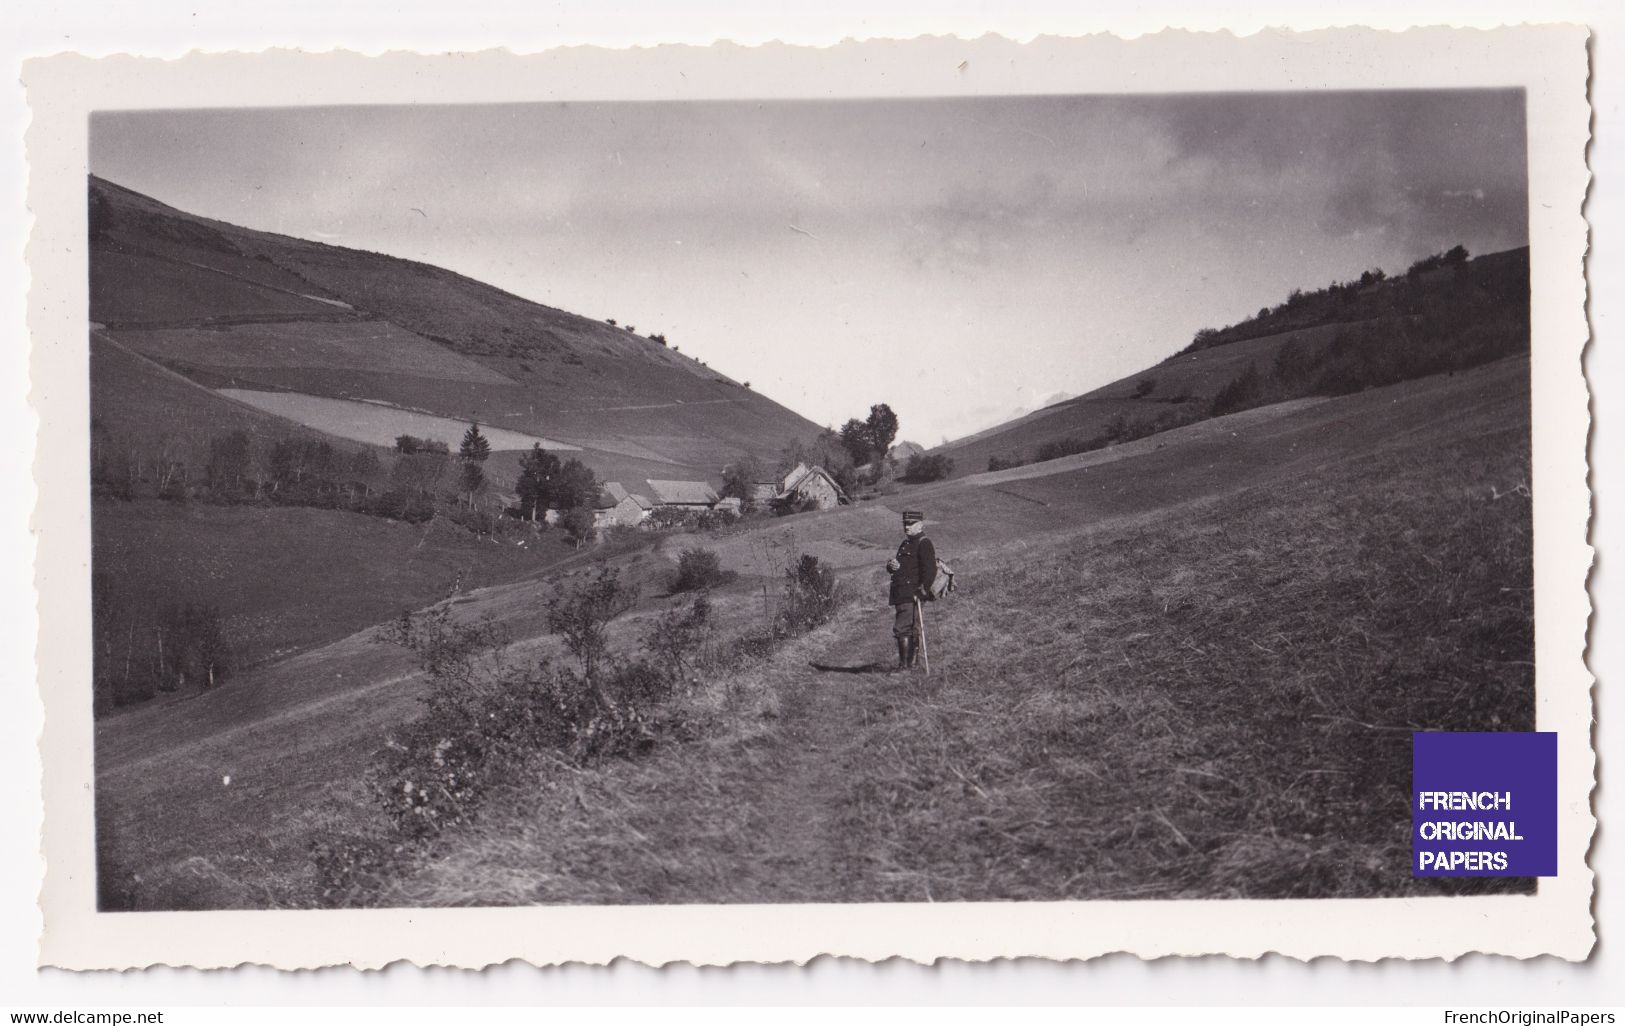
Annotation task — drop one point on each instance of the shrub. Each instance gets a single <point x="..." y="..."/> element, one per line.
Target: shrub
<point x="679" y="641"/>
<point x="1243" y="392"/>
<point x="1143" y="388"/>
<point x="697" y="568"/>
<point x="714" y="519"/>
<point x="928" y="468"/>
<point x="1004" y="462"/>
<point x="582" y="617"/>
<point x="811" y="596"/>
<point x="664" y="518"/>
<point x="1070" y="446"/>
<point x="579" y="523"/>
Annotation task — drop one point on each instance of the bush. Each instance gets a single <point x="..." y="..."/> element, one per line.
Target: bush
<point x="484" y="717"/>
<point x="928" y="468"/>
<point x="680" y="640"/>
<point x="811" y="596"/>
<point x="665" y="518"/>
<point x="579" y="523"/>
<point x="714" y="519"/>
<point x="698" y="568"/>
<point x="1070" y="446"/>
<point x="1245" y="391"/>
<point x="1004" y="462"/>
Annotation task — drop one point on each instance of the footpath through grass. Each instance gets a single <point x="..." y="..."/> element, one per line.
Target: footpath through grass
<point x="1213" y="701"/>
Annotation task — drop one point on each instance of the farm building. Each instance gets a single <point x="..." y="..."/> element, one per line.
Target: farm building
<point x="689" y="495"/>
<point x="617" y="506"/>
<point x="810" y="484"/>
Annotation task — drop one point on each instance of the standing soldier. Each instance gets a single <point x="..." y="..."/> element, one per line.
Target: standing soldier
<point x="913" y="570"/>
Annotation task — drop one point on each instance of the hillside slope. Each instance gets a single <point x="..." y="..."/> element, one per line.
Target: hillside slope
<point x="225" y="305"/>
<point x="799" y="807"/>
<point x="1441" y="306"/>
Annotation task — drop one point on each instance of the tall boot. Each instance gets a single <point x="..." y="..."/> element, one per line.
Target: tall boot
<point x="913" y="651"/>
<point x="902" y="655"/>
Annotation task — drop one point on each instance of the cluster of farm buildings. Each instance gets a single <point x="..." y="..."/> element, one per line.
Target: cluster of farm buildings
<point x="803" y="487"/>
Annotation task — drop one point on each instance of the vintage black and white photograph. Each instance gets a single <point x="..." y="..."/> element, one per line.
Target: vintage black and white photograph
<point x="1038" y="499"/>
<point x="1032" y="498"/>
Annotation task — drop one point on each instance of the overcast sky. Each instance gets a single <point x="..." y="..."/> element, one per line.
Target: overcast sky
<point x="959" y="259"/>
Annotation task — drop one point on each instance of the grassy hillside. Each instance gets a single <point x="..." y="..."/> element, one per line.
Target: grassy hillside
<point x="1343" y="338"/>
<point x="219" y="303"/>
<point x="284" y="578"/>
<point x="183" y="307"/>
<point x="1211" y="698"/>
<point x="1188" y="670"/>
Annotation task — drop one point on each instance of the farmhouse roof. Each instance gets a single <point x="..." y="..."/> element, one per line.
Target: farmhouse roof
<point x="682" y="493"/>
<point x="614" y="493"/>
<point x="793" y="486"/>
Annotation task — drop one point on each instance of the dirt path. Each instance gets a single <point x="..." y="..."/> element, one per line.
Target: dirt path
<point x="809" y="851"/>
<point x="806" y="858"/>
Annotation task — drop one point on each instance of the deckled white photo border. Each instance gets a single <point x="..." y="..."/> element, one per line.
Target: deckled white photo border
<point x="1549" y="62"/>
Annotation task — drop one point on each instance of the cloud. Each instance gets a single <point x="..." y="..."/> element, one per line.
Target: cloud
<point x="973" y="226"/>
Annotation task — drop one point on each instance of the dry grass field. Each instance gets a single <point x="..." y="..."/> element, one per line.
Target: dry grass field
<point x="1188" y="671"/>
<point x="1211" y="699"/>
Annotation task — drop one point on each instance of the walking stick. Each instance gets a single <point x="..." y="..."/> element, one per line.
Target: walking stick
<point x="919" y="623"/>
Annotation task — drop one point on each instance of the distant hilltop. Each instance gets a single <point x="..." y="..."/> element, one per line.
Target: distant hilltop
<point x="230" y="307"/>
<point x="1445" y="312"/>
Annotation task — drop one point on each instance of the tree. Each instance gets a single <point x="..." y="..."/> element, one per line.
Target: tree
<point x="475" y="447"/>
<point x="474" y="451"/>
<point x="364" y="466"/>
<point x="856" y="440"/>
<point x="928" y="468"/>
<point x="473" y="481"/>
<point x="574" y="486"/>
<point x="419" y="473"/>
<point x="406" y="445"/>
<point x="882" y="428"/>
<point x="169" y="466"/>
<point x="739" y="479"/>
<point x="538" y="471"/>
<point x="228" y="464"/>
<point x="582" y="617"/>
<point x="579" y="524"/>
<point x="697" y="568"/>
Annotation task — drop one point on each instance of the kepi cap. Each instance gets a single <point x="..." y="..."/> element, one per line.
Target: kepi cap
<point x="913" y="517"/>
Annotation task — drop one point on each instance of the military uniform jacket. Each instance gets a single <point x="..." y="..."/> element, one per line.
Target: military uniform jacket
<point x="917" y="568"/>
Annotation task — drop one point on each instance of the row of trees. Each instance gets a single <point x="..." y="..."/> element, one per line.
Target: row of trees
<point x="142" y="650"/>
<point x="869" y="439"/>
<point x="408" y="484"/>
<point x="1457" y="320"/>
<point x="546" y="482"/>
<point x="1355" y="299"/>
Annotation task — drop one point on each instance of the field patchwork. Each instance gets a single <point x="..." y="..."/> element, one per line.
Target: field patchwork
<point x="378" y="423"/>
